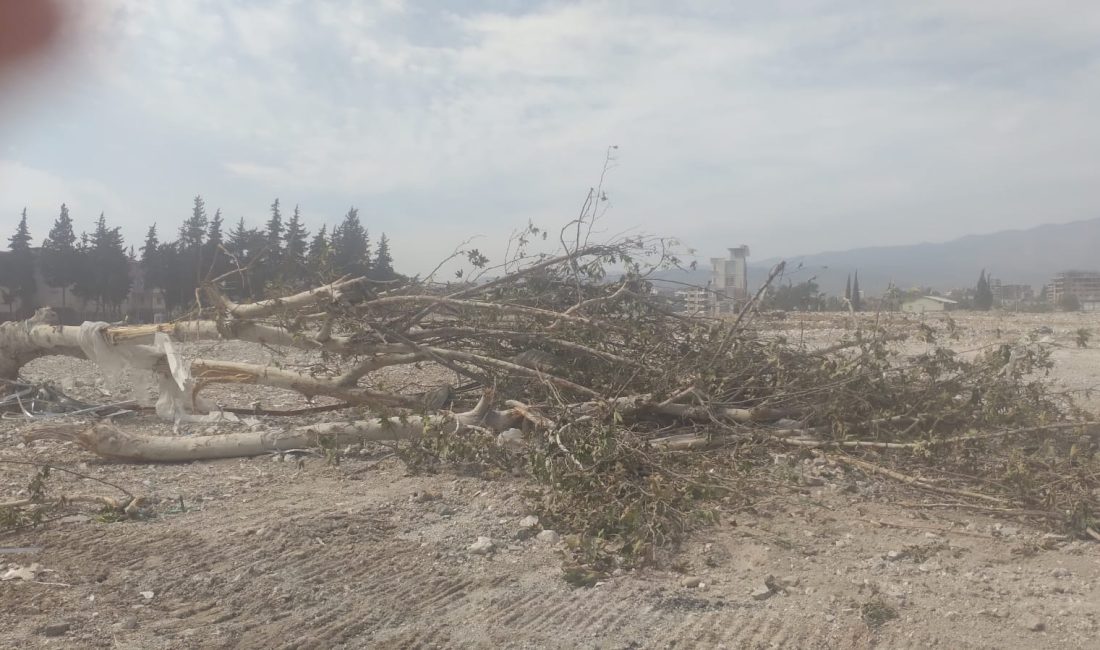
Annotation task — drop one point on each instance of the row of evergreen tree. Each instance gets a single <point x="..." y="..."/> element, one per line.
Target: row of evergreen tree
<point x="95" y="268"/>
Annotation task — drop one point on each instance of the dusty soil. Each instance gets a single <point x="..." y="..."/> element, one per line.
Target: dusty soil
<point x="295" y="552"/>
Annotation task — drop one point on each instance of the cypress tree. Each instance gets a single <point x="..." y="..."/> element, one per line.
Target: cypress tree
<point x="857" y="300"/>
<point x="983" y="293"/>
<point x="848" y="288"/>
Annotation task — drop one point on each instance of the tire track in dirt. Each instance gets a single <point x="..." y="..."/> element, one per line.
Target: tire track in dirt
<point x="346" y="577"/>
<point x="382" y="591"/>
<point x="333" y="579"/>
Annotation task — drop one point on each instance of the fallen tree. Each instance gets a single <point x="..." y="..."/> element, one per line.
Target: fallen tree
<point x="635" y="420"/>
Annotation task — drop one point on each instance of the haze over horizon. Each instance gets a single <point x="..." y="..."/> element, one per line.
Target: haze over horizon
<point x="825" y="126"/>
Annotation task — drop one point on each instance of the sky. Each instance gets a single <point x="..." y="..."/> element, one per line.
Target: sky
<point x="792" y="127"/>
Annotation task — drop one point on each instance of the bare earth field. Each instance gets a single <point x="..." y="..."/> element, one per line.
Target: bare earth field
<point x="294" y="552"/>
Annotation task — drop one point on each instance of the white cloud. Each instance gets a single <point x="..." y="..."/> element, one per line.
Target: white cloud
<point x="823" y="125"/>
<point x="42" y="193"/>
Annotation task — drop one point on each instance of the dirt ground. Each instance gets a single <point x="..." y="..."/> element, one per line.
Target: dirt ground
<point x="293" y="552"/>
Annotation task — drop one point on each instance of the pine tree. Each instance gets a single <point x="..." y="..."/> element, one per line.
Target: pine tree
<point x="382" y="269"/>
<point x="238" y="242"/>
<point x="58" y="262"/>
<point x="110" y="252"/>
<point x="319" y="252"/>
<point x="213" y="258"/>
<point x="185" y="261"/>
<point x="857" y="300"/>
<point x="193" y="231"/>
<point x="214" y="231"/>
<point x="294" y="251"/>
<point x="151" y="265"/>
<point x="268" y="268"/>
<point x="245" y="244"/>
<point x="351" y="246"/>
<point x="105" y="274"/>
<point x="19" y="276"/>
<point x="175" y="282"/>
<point x="191" y="239"/>
<point x="275" y="231"/>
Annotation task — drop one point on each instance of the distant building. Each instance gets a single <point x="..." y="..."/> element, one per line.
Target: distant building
<point x="695" y="301"/>
<point x="927" y="303"/>
<point x="730" y="279"/>
<point x="1010" y="293"/>
<point x="1084" y="285"/>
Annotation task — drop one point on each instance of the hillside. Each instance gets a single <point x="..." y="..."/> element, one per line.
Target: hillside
<point x="1028" y="256"/>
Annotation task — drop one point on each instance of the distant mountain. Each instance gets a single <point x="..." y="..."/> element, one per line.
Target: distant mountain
<point x="1029" y="256"/>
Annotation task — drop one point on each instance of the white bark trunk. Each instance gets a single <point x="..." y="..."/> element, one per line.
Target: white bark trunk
<point x="108" y="441"/>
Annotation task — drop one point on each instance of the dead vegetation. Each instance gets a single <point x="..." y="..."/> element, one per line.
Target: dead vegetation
<point x="633" y="423"/>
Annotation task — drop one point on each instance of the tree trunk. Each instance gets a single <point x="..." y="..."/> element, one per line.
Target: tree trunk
<point x="24" y="341"/>
<point x="108" y="441"/>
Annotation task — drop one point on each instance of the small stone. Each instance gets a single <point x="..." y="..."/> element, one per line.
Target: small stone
<point x="426" y="496"/>
<point x="691" y="582"/>
<point x="55" y="629"/>
<point x="1061" y="572"/>
<point x="128" y="623"/>
<point x="893" y="555"/>
<point x="1033" y="623"/>
<point x="762" y="593"/>
<point x="548" y="537"/>
<point x="929" y="566"/>
<point x="147" y="595"/>
<point x="789" y="581"/>
<point x="829" y="618"/>
<point x="511" y="439"/>
<point x="529" y="521"/>
<point x="483" y="546"/>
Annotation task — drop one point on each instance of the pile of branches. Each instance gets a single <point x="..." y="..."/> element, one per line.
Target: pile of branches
<point x="633" y="421"/>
